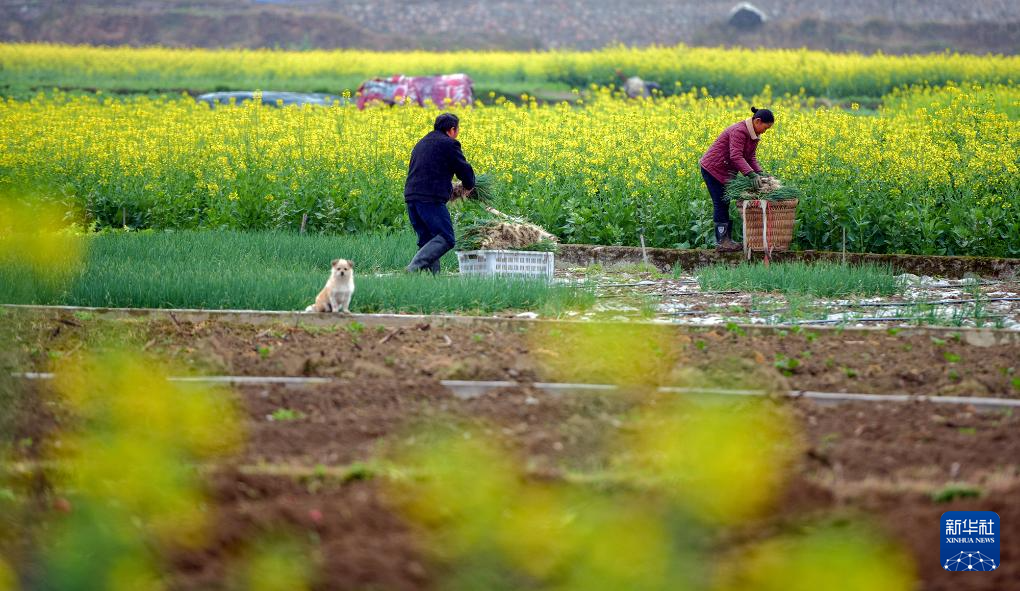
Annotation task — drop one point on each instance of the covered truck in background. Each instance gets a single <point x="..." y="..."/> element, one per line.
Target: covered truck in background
<point x="449" y="89"/>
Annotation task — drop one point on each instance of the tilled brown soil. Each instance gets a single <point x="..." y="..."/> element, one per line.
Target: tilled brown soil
<point x="345" y="423"/>
<point x="803" y="360"/>
<point x="364" y="543"/>
<point x="876" y="463"/>
<point x="911" y="443"/>
<point x="833" y="361"/>
<point x="360" y="541"/>
<point x="299" y="472"/>
<point x="895" y="442"/>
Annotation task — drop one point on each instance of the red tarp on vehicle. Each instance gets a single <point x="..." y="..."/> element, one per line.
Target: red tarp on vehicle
<point x="400" y="90"/>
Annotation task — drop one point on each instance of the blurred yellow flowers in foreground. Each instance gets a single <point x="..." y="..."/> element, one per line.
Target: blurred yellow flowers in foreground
<point x="125" y="473"/>
<point x="678" y="475"/>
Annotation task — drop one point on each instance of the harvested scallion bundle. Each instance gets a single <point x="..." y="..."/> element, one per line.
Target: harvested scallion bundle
<point x="543" y="245"/>
<point x="482" y="227"/>
<point x="771" y="189"/>
<point x="485" y="189"/>
<point x="503" y="235"/>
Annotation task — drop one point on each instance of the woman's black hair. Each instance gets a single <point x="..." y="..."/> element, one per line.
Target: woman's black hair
<point x="765" y="115"/>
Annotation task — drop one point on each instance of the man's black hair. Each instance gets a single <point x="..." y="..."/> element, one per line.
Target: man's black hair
<point x="446" y="122"/>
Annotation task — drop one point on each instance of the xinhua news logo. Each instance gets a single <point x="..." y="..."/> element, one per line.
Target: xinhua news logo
<point x="970" y="540"/>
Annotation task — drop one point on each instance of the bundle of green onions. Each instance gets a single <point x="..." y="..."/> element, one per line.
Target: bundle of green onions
<point x="496" y="234"/>
<point x="472" y="234"/>
<point x="482" y="227"/>
<point x="485" y="188"/>
<point x="771" y="189"/>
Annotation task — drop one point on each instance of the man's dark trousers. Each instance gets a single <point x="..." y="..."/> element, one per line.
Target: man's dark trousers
<point x="431" y="222"/>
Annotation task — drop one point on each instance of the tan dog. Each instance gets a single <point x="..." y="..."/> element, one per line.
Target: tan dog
<point x="336" y="296"/>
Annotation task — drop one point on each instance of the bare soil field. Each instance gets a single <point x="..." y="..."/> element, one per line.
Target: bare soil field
<point x="879" y="464"/>
<point x="880" y="362"/>
<point x="321" y="472"/>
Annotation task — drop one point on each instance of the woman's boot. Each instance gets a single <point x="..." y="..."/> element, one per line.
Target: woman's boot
<point x="723" y="242"/>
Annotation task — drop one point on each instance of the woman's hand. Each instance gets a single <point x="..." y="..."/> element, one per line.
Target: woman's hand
<point x="755" y="180"/>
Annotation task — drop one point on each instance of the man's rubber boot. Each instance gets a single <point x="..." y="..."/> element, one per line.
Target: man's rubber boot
<point x="723" y="242"/>
<point x="428" y="256"/>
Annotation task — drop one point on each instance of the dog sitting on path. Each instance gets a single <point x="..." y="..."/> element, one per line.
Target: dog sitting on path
<point x="336" y="296"/>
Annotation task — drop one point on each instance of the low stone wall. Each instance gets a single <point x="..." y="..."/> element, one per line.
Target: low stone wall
<point x="665" y="258"/>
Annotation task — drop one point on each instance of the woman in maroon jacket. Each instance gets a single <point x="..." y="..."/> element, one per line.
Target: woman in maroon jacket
<point x="733" y="152"/>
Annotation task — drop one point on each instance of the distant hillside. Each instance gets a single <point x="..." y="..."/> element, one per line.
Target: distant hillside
<point x="892" y="26"/>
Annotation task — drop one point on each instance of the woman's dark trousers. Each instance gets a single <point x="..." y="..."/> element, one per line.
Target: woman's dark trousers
<point x="720" y="206"/>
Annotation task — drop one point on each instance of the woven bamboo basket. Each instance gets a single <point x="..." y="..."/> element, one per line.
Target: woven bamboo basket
<point x="779" y="217"/>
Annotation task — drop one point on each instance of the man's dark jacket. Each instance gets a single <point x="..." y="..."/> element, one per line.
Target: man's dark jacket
<point x="434" y="161"/>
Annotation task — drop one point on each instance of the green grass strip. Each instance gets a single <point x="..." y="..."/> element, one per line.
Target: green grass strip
<point x="819" y="279"/>
<point x="222" y="249"/>
<point x="270" y="271"/>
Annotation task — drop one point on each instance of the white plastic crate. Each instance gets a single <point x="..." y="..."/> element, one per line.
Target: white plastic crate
<point x="520" y="263"/>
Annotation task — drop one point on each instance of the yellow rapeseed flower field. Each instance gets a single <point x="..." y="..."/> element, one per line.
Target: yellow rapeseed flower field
<point x="721" y="71"/>
<point x="938" y="177"/>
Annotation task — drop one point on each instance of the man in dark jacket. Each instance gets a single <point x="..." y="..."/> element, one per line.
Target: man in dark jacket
<point x="434" y="161"/>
